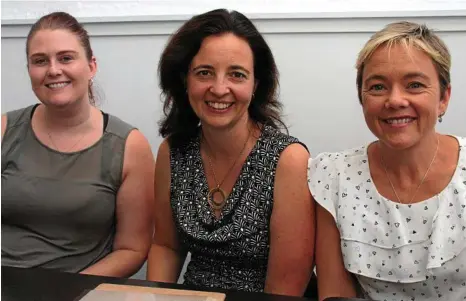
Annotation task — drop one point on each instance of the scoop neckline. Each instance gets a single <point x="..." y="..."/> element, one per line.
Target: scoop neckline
<point x="423" y="202"/>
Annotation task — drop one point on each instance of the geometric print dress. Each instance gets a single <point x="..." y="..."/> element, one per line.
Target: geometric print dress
<point x="398" y="252"/>
<point x="231" y="252"/>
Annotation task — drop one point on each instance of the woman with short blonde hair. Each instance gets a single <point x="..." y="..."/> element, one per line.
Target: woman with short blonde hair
<point x="391" y="214"/>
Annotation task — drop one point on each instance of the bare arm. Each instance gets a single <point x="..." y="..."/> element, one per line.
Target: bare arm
<point x="165" y="257"/>
<point x="291" y="226"/>
<point x="4" y="121"/>
<point x="333" y="280"/>
<point x="133" y="212"/>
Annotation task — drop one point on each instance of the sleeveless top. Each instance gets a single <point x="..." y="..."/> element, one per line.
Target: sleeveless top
<point x="58" y="209"/>
<point x="396" y="251"/>
<point x="231" y="252"/>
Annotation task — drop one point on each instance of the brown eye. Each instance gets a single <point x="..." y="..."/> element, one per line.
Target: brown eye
<point x="204" y="73"/>
<point x="239" y="75"/>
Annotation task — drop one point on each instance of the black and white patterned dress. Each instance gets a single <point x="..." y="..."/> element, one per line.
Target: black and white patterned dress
<point x="230" y="252"/>
<point x="398" y="252"/>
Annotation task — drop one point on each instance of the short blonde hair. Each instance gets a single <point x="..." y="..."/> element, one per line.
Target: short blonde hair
<point x="408" y="34"/>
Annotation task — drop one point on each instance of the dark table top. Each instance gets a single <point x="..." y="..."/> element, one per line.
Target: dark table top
<point x="47" y="285"/>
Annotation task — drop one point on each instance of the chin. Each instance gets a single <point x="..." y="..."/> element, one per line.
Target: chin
<point x="399" y="142"/>
<point x="59" y="103"/>
<point x="217" y="123"/>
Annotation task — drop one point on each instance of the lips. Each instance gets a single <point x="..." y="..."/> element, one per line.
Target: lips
<point x="219" y="105"/>
<point x="401" y="120"/>
<point x="57" y="85"/>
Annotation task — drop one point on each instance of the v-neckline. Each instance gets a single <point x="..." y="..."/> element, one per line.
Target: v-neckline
<point x="232" y="198"/>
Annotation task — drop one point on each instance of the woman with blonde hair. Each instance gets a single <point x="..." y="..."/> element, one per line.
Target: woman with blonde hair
<point x="391" y="214"/>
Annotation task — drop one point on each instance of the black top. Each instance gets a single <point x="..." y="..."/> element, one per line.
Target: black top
<point x="231" y="252"/>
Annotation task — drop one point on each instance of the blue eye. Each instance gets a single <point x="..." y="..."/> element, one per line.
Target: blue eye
<point x="415" y="85"/>
<point x="39" y="61"/>
<point x="66" y="59"/>
<point x="377" y="87"/>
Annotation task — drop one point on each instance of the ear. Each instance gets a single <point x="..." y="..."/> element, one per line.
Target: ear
<point x="256" y="83"/>
<point x="444" y="100"/>
<point x="93" y="66"/>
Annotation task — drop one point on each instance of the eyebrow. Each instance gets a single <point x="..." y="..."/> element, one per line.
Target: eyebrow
<point x="233" y="67"/>
<point x="406" y="76"/>
<point x="238" y="67"/>
<point x="416" y="74"/>
<point x="59" y="53"/>
<point x="374" y="77"/>
<point x="203" y="67"/>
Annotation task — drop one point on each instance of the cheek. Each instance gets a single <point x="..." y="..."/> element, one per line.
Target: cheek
<point x="243" y="93"/>
<point x="36" y="76"/>
<point x="197" y="90"/>
<point x="371" y="111"/>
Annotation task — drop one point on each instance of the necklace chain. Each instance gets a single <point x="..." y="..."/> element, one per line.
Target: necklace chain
<point x="218" y="205"/>
<point x="232" y="166"/>
<point x="422" y="180"/>
<point x="56" y="147"/>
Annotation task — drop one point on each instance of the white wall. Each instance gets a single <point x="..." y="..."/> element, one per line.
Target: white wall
<point x="19" y="9"/>
<point x="315" y="51"/>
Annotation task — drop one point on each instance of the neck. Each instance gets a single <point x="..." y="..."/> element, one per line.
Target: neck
<point x="71" y="117"/>
<point x="410" y="165"/>
<point x="228" y="143"/>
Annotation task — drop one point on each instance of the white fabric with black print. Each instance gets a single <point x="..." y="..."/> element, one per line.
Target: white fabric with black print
<point x="398" y="252"/>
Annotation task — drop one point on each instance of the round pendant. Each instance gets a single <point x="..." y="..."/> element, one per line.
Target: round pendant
<point x="215" y="204"/>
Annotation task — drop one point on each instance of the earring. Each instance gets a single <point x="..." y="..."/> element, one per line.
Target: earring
<point x="91" y="81"/>
<point x="440" y="117"/>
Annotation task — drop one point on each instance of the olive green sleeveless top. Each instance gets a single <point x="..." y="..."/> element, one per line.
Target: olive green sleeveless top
<point x="58" y="209"/>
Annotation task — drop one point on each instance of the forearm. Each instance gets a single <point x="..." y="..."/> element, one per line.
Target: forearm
<point x="291" y="280"/>
<point x="164" y="264"/>
<point x="119" y="263"/>
<point x="336" y="287"/>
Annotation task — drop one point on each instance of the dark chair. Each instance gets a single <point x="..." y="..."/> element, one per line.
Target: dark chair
<point x="345" y="299"/>
<point x="311" y="290"/>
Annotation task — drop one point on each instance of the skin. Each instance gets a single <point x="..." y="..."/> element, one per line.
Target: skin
<point x="222" y="74"/>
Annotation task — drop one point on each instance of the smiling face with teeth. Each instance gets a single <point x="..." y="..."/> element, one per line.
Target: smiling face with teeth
<point x="220" y="81"/>
<point x="58" y="67"/>
<point x="401" y="95"/>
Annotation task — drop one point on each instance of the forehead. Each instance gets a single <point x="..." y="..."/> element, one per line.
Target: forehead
<point x="224" y="49"/>
<point x="399" y="59"/>
<point x="46" y="40"/>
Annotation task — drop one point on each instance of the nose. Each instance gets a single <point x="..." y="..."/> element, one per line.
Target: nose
<point x="54" y="69"/>
<point x="219" y="87"/>
<point x="396" y="98"/>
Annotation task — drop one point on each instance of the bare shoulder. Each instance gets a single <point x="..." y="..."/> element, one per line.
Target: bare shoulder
<point x="137" y="150"/>
<point x="164" y="150"/>
<point x="162" y="163"/>
<point x="137" y="141"/>
<point x="4" y="124"/>
<point x="293" y="156"/>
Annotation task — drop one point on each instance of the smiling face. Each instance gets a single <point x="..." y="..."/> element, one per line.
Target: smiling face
<point x="401" y="95"/>
<point x="58" y="67"/>
<point x="220" y="82"/>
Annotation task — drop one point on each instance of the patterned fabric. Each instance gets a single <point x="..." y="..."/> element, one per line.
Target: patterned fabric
<point x="230" y="252"/>
<point x="397" y="251"/>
